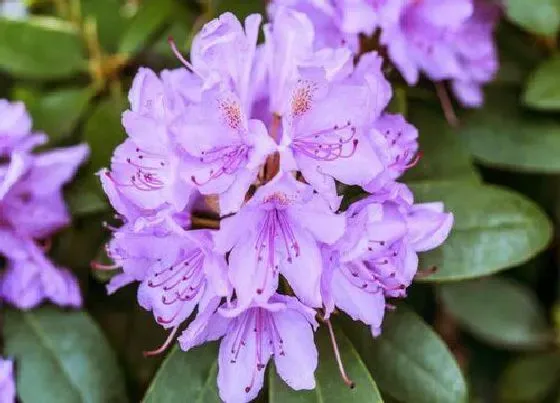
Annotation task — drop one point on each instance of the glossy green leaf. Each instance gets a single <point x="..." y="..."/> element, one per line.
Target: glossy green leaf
<point x="536" y="16"/>
<point x="498" y="311"/>
<point x="61" y="356"/>
<point x="186" y="377"/>
<point x="329" y="386"/>
<point x="40" y="48"/>
<point x="409" y="361"/>
<point x="494" y="229"/>
<point x="503" y="134"/>
<point x="543" y="88"/>
<point x="530" y="378"/>
<point x="151" y="17"/>
<point x="57" y="112"/>
<point x="444" y="157"/>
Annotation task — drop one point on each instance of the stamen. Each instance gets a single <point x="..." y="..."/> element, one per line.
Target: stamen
<point x="178" y="54"/>
<point x="99" y="266"/>
<point x="336" y="351"/>
<point x="164" y="345"/>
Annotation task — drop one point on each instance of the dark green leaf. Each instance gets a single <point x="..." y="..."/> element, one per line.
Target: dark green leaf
<point x="504" y="135"/>
<point x="61" y="357"/>
<point x="536" y="16"/>
<point x="57" y="112"/>
<point x="186" y="377"/>
<point x="543" y="88"/>
<point x="494" y="229"/>
<point x="85" y="197"/>
<point x="444" y="157"/>
<point x="530" y="378"/>
<point x="409" y="361"/>
<point x="329" y="386"/>
<point x="40" y="48"/>
<point x="151" y="16"/>
<point x="240" y="8"/>
<point x="498" y="311"/>
<point x="519" y="55"/>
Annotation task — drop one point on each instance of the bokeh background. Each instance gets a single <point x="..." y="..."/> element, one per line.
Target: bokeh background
<point x="484" y="328"/>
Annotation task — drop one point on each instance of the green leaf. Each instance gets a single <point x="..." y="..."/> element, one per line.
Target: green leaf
<point x="504" y="135"/>
<point x="61" y="356"/>
<point x="329" y="386"/>
<point x="56" y="113"/>
<point x="530" y="378"/>
<point x="84" y="196"/>
<point x="537" y="16"/>
<point x="40" y="48"/>
<point x="240" y="8"/>
<point x="444" y="157"/>
<point x="543" y="88"/>
<point x="499" y="311"/>
<point x="186" y="377"/>
<point x="494" y="229"/>
<point x="111" y="19"/>
<point x="149" y="18"/>
<point x="103" y="132"/>
<point x="409" y="361"/>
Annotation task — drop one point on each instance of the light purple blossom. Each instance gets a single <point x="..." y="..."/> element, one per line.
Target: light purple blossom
<point x="224" y="148"/>
<point x="377" y="257"/>
<point x="7" y="384"/>
<point x="177" y="272"/>
<point x="278" y="232"/>
<point x="270" y="132"/>
<point x="32" y="209"/>
<point x="444" y="39"/>
<point x="282" y="329"/>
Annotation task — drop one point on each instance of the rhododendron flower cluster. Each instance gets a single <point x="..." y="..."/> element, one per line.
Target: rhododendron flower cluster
<point x="445" y="39"/>
<point x="31" y="210"/>
<point x="263" y="136"/>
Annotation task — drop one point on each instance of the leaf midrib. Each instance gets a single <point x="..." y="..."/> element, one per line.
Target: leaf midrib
<point x="43" y="337"/>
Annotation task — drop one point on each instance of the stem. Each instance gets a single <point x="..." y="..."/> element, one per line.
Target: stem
<point x="446" y="105"/>
<point x="272" y="165"/>
<point x="201" y="222"/>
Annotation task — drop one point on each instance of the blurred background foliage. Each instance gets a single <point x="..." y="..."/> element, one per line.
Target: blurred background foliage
<point x="485" y="327"/>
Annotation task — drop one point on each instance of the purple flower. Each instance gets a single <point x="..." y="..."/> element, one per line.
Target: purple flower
<point x="31" y="209"/>
<point x="225" y="53"/>
<point x="421" y="40"/>
<point x="336" y="22"/>
<point x="177" y="269"/>
<point x="396" y="143"/>
<point x="276" y="232"/>
<point x="477" y="53"/>
<point x="7" y="384"/>
<point x="224" y="149"/>
<point x="144" y="169"/>
<point x="261" y="130"/>
<point x="377" y="257"/>
<point x="281" y="328"/>
<point x="31" y="278"/>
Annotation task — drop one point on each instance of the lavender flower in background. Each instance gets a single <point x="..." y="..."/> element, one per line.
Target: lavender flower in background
<point x="7" y="384"/>
<point x="269" y="136"/>
<point x="31" y="210"/>
<point x="444" y="39"/>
